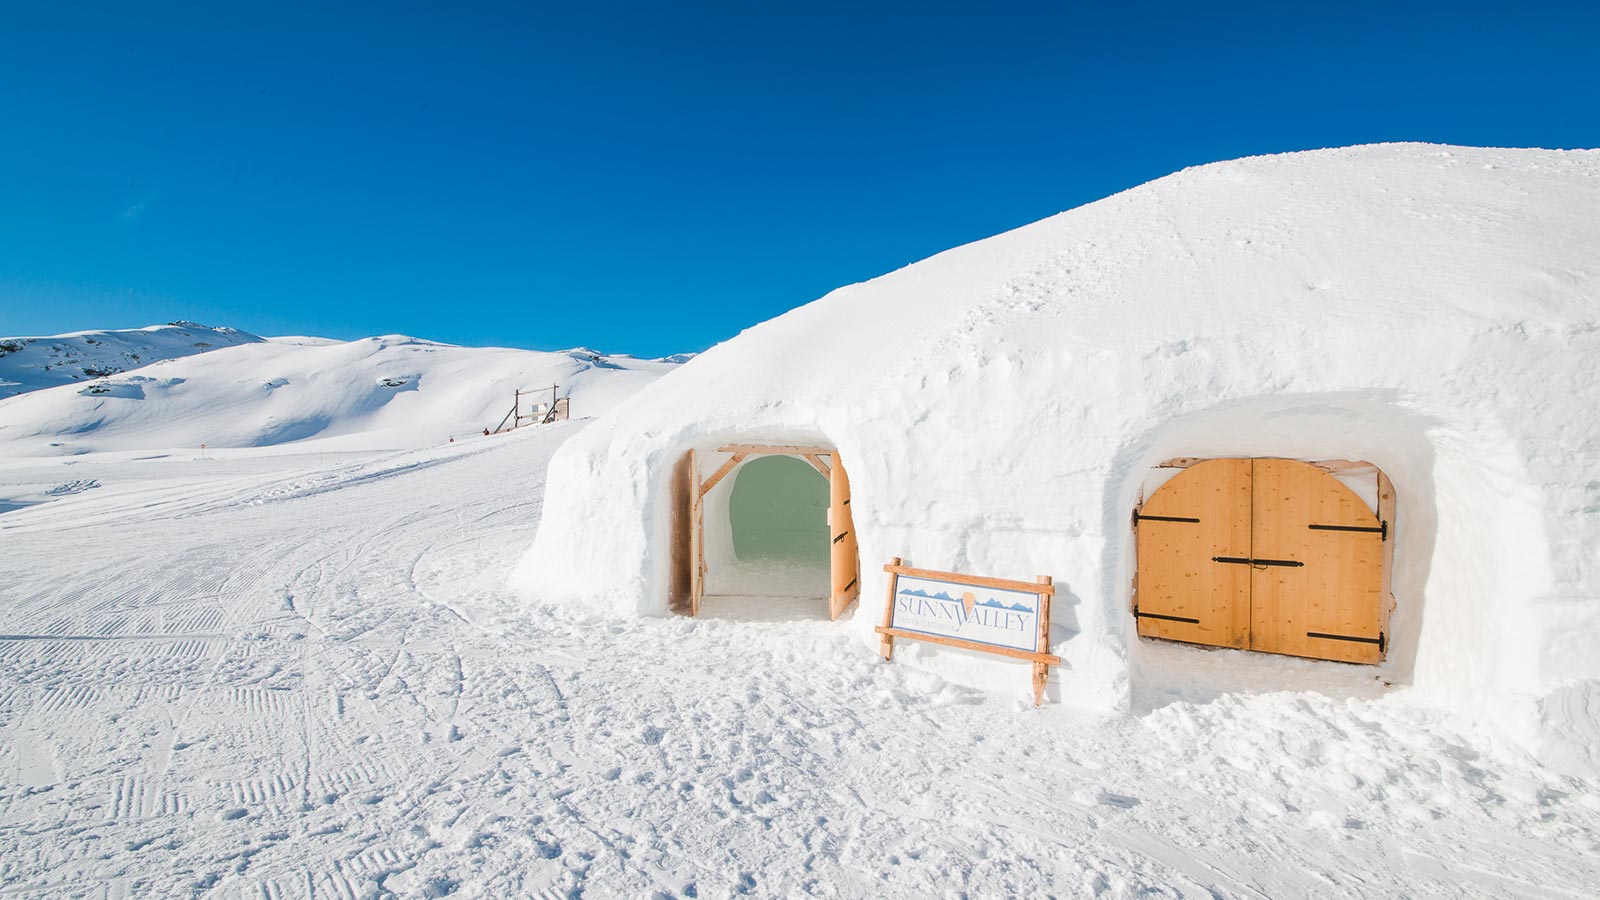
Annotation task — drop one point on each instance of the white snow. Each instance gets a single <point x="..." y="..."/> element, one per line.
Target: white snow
<point x="31" y="363"/>
<point x="1432" y="310"/>
<point x="258" y="675"/>
<point x="385" y="392"/>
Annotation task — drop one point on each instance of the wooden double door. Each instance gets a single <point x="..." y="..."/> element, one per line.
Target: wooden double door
<point x="1274" y="555"/>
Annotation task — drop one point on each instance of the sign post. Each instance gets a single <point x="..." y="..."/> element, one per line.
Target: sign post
<point x="989" y="615"/>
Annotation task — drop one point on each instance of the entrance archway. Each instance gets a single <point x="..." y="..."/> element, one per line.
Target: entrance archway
<point x="778" y="523"/>
<point x="1273" y="555"/>
<point x="777" y="520"/>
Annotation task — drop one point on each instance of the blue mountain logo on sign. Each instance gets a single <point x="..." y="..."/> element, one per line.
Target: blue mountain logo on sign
<point x="913" y="592"/>
<point x="1017" y="607"/>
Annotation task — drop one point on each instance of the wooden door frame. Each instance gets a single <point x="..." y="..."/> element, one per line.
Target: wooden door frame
<point x="1385" y="513"/>
<point x="810" y="453"/>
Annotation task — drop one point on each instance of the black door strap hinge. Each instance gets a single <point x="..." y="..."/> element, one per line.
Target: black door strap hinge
<point x="1249" y="561"/>
<point x="1381" y="640"/>
<point x="1382" y="529"/>
<point x="1144" y="615"/>
<point x="1138" y="517"/>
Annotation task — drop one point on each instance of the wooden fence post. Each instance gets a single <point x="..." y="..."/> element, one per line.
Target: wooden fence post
<point x="1041" y="671"/>
<point x="886" y="641"/>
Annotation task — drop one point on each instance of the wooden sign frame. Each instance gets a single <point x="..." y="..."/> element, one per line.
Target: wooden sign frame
<point x="1041" y="658"/>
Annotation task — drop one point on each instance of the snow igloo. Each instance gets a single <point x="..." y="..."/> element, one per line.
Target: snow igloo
<point x="1314" y="419"/>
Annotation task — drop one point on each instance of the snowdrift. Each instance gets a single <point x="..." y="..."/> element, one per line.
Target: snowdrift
<point x="1432" y="310"/>
<point x="31" y="363"/>
<point x="376" y="393"/>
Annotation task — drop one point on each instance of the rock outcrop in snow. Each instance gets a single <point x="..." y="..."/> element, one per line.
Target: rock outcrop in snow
<point x="33" y="363"/>
<point x="1433" y="310"/>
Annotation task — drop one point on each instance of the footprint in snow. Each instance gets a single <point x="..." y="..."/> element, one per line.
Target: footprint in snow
<point x="1101" y="797"/>
<point x="1120" y="801"/>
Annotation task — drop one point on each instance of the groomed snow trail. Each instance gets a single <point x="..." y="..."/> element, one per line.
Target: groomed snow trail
<point x="271" y="676"/>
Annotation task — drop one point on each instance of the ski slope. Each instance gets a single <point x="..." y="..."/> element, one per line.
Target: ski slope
<point x="283" y="673"/>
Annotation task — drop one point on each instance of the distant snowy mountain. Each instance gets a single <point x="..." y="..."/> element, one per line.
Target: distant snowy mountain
<point x="376" y="393"/>
<point x="32" y="363"/>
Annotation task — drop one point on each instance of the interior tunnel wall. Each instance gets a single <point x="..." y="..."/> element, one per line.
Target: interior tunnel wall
<point x="778" y="510"/>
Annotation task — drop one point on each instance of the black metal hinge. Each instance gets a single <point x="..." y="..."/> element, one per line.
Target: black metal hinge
<point x="1138" y="517"/>
<point x="1248" y="561"/>
<point x="1144" y="615"/>
<point x="1382" y="530"/>
<point x="1381" y="640"/>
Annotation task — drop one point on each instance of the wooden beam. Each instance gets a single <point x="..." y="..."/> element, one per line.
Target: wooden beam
<point x="781" y="449"/>
<point x="697" y="539"/>
<point x="721" y="473"/>
<point x="1326" y="465"/>
<point x="1025" y="587"/>
<point x="1028" y="655"/>
<point x="1041" y="669"/>
<point x="1334" y="466"/>
<point x="1387" y="515"/>
<point x="886" y="640"/>
<point x="818" y="464"/>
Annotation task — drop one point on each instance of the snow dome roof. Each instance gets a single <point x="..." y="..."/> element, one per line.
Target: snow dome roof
<point x="1392" y="236"/>
<point x="1435" y="310"/>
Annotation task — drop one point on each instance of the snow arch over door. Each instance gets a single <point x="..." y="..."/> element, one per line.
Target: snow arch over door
<point x="1273" y="555"/>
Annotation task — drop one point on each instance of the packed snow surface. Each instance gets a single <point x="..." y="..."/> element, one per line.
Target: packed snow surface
<point x="261" y="674"/>
<point x="386" y="392"/>
<point x="1434" y="311"/>
<point x="31" y="363"/>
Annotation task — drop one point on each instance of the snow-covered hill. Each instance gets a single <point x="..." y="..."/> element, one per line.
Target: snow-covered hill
<point x="32" y="363"/>
<point x="386" y="392"/>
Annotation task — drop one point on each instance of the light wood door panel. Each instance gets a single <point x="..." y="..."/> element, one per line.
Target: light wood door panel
<point x="1182" y="593"/>
<point x="1317" y="583"/>
<point x="845" y="555"/>
<point x="684" y="485"/>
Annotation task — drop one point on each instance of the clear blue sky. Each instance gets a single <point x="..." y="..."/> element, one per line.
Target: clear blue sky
<point x="650" y="178"/>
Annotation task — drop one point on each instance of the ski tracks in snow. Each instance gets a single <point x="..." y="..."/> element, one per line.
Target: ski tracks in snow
<point x="308" y="684"/>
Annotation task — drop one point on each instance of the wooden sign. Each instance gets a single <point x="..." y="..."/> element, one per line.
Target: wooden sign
<point x="989" y="615"/>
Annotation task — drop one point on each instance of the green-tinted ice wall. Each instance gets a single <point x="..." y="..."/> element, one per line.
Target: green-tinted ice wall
<point x="779" y="510"/>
